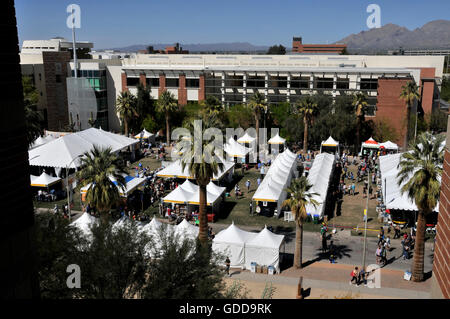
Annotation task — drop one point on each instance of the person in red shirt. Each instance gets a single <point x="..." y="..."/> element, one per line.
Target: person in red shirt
<point x="354" y="275"/>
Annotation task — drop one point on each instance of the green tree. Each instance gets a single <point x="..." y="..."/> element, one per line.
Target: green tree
<point x="384" y="131"/>
<point x="258" y="105"/>
<point x="98" y="165"/>
<point x="307" y="108"/>
<point x="239" y="116"/>
<point x="360" y="104"/>
<point x="166" y="104"/>
<point x="277" y="49"/>
<point x="126" y="107"/>
<point x="420" y="171"/>
<point x="202" y="167"/>
<point x="300" y="196"/>
<point x="409" y="93"/>
<point x="33" y="118"/>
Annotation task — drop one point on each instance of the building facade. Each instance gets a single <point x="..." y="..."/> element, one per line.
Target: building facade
<point x="299" y="47"/>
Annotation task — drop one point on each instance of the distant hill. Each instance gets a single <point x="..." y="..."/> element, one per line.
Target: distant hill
<point x="433" y="35"/>
<point x="206" y="47"/>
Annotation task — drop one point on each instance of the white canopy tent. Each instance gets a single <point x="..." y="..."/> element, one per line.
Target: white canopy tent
<point x="278" y="177"/>
<point x="174" y="170"/>
<point x="389" y="146"/>
<point x="84" y="223"/>
<point x="146" y="135"/>
<point x="234" y="149"/>
<point x="264" y="249"/>
<point x="186" y="230"/>
<point x="330" y="143"/>
<point x="64" y="150"/>
<point x="246" y="138"/>
<point x="319" y="176"/>
<point x="277" y="139"/>
<point x="231" y="242"/>
<point x="45" y="180"/>
<point x="370" y="144"/>
<point x="131" y="184"/>
<point x="189" y="193"/>
<point x="41" y="140"/>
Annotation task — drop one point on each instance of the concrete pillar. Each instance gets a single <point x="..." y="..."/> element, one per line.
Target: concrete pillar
<point x="182" y="91"/>
<point x="244" y="85"/>
<point x="223" y="89"/>
<point x="358" y="82"/>
<point x="266" y="86"/>
<point x="288" y="87"/>
<point x="311" y="83"/>
<point x="334" y="85"/>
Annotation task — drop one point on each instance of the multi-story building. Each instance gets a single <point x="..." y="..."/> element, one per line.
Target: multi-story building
<point x="46" y="62"/>
<point x="299" y="47"/>
<point x="235" y="78"/>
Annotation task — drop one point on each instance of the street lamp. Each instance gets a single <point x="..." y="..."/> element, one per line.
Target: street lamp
<point x="67" y="183"/>
<point x="366" y="217"/>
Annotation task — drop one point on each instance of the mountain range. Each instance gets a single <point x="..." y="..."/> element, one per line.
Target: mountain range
<point x="433" y="35"/>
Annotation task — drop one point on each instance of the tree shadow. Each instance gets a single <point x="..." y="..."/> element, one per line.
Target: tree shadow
<point x="286" y="261"/>
<point x="226" y="209"/>
<point x="427" y="275"/>
<point x="306" y="292"/>
<point x="339" y="252"/>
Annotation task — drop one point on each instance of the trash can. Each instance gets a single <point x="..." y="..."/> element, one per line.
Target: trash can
<point x="253" y="267"/>
<point x="271" y="270"/>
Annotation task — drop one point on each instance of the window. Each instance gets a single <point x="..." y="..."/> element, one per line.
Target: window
<point x="172" y="83"/>
<point x="192" y="83"/>
<point x="278" y="82"/>
<point x="369" y="84"/>
<point x="300" y="83"/>
<point x="153" y="82"/>
<point x="58" y="78"/>
<point x="132" y="81"/>
<point x="324" y="83"/>
<point x="255" y="82"/>
<point x="343" y="84"/>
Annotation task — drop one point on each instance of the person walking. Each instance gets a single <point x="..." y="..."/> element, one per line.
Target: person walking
<point x="362" y="278"/>
<point x="323" y="232"/>
<point x="354" y="276"/>
<point x="227" y="265"/>
<point x="251" y="208"/>
<point x="247" y="184"/>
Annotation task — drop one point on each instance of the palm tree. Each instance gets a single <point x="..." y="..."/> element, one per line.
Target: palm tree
<point x="300" y="197"/>
<point x="259" y="106"/>
<point x="202" y="168"/>
<point x="98" y="165"/>
<point x="360" y="104"/>
<point x="166" y="104"/>
<point x="212" y="105"/>
<point x="410" y="93"/>
<point x="126" y="107"/>
<point x="308" y="109"/>
<point x="420" y="171"/>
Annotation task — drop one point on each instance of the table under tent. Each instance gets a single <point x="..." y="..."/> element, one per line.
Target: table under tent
<point x="319" y="176"/>
<point x="400" y="208"/>
<point x="330" y="146"/>
<point x="271" y="192"/>
<point x="369" y="147"/>
<point x="264" y="249"/>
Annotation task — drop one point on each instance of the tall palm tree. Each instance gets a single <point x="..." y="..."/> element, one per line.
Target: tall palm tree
<point x="258" y="105"/>
<point x="126" y="107"/>
<point x="166" y="104"/>
<point x="360" y="104"/>
<point x="409" y="93"/>
<point x="202" y="168"/>
<point x="98" y="165"/>
<point x="420" y="171"/>
<point x="212" y="105"/>
<point x="300" y="197"/>
<point x="307" y="108"/>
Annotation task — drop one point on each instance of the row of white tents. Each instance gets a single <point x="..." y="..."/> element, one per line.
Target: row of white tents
<point x="131" y="183"/>
<point x="319" y="176"/>
<point x="243" y="247"/>
<point x="278" y="177"/>
<point x="189" y="193"/>
<point x="392" y="195"/>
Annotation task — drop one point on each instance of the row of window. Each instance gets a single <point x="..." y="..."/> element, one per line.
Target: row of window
<point x="89" y="73"/>
<point x="170" y="82"/>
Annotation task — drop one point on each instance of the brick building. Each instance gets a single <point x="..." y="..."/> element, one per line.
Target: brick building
<point x="440" y="281"/>
<point x="299" y="47"/>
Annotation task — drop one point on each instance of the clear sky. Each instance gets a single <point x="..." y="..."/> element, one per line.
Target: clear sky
<point x="118" y="23"/>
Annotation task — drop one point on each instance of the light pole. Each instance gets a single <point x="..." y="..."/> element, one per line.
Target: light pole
<point x="366" y="217"/>
<point x="67" y="184"/>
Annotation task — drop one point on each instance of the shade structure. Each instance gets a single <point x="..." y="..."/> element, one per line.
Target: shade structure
<point x="389" y="146"/>
<point x="84" y="223"/>
<point x="65" y="150"/>
<point x="174" y="170"/>
<point x="231" y="242"/>
<point x="319" y="176"/>
<point x="45" y="180"/>
<point x="330" y="142"/>
<point x="370" y="143"/>
<point x="264" y="249"/>
<point x="246" y="138"/>
<point x="392" y="196"/>
<point x="234" y="149"/>
<point x="132" y="183"/>
<point x="32" y="178"/>
<point x="278" y="177"/>
<point x="41" y="140"/>
<point x="277" y="139"/>
<point x="185" y="230"/>
<point x="144" y="134"/>
<point x="189" y="193"/>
